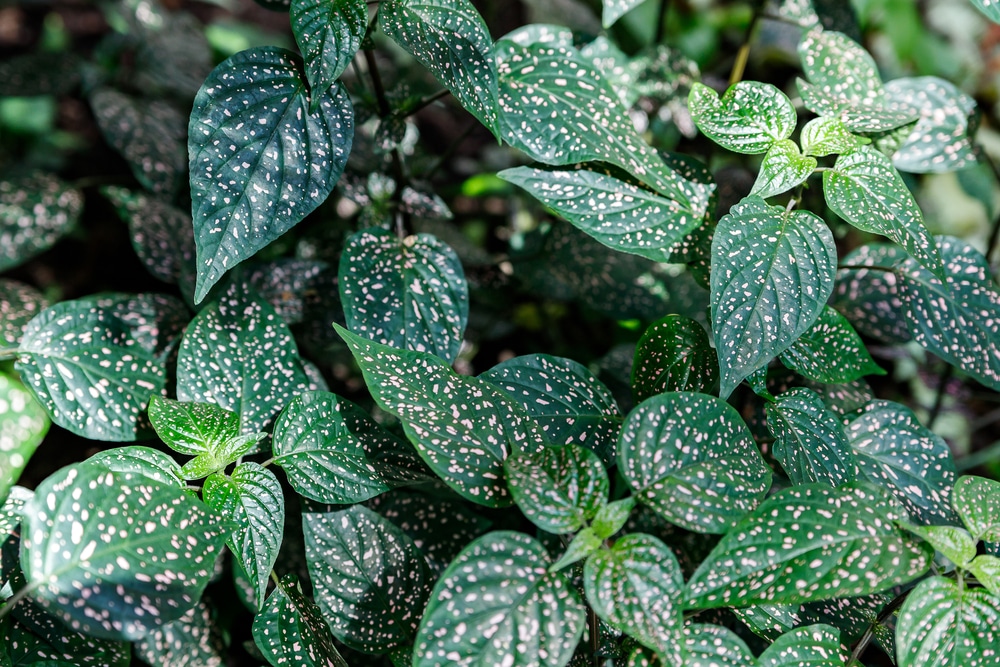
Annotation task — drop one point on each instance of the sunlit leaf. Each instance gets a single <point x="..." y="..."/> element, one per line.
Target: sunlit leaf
<point x="977" y="501"/>
<point x="826" y="136"/>
<point x="191" y="639"/>
<point x="940" y="141"/>
<point x="986" y="569"/>
<point x="810" y="646"/>
<point x="954" y="543"/>
<point x="673" y="355"/>
<point x="830" y="351"/>
<point x="291" y="630"/>
<point x="35" y="211"/>
<point x="328" y="33"/>
<point x="783" y="168"/>
<point x="23" y="425"/>
<point x="142" y="461"/>
<point x="810" y="441"/>
<point x="749" y="118"/>
<point x="192" y="428"/>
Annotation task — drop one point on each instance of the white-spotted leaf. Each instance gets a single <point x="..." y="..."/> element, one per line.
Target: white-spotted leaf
<point x="192" y="639"/>
<point x="291" y="630"/>
<point x="258" y="171"/>
<point x="612" y="10"/>
<point x="772" y="272"/>
<point x="47" y="642"/>
<point x="192" y="428"/>
<point x="986" y="569"/>
<point x="141" y="461"/>
<point x="117" y="554"/>
<point x="369" y="579"/>
<point x="867" y="292"/>
<point x="328" y="33"/>
<point x="831" y="351"/>
<point x="827" y="136"/>
<point x="405" y="293"/>
<point x="940" y="140"/>
<point x="19" y="303"/>
<point x="810" y="542"/>
<point x="989" y="8"/>
<point x="977" y="501"/>
<point x="23" y="425"/>
<point x="808" y="646"/>
<point x="690" y="458"/>
<point x="956" y="544"/>
<point x="497" y="604"/>
<point x="673" y="355"/>
<point x="809" y="440"/>
<point x="559" y="489"/>
<point x="36" y="210"/>
<point x="749" y="118"/>
<point x="707" y="645"/>
<point x="783" y="168"/>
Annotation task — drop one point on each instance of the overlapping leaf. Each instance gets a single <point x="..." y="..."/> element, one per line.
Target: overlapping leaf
<point x="955" y="544"/>
<point x="19" y="303"/>
<point x="691" y="459"/>
<point x="673" y="355"/>
<point x="369" y="579"/>
<point x="191" y="639"/>
<point x="35" y="211"/>
<point x="810" y="441"/>
<point x="192" y="428"/>
<point x="256" y="172"/>
<point x="809" y="646"/>
<point x="977" y="501"/>
<point x="706" y="645"/>
<point x="869" y="297"/>
<point x="145" y="461"/>
<point x="405" y="293"/>
<point x="103" y="581"/>
<point x="23" y="425"/>
<point x="825" y="136"/>
<point x="612" y="10"/>
<point x="299" y="290"/>
<point x="830" y="351"/>
<point x="290" y="629"/>
<point x="810" y="542"/>
<point x="940" y="140"/>
<point x="772" y="271"/>
<point x="328" y="35"/>
<point x="26" y="644"/>
<point x="498" y="604"/>
<point x="462" y="426"/>
<point x="749" y="118"/>
<point x="783" y="168"/>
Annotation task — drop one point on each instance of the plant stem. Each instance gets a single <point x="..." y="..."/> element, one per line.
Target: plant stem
<point x="595" y="639"/>
<point x="15" y="598"/>
<point x="739" y="67"/>
<point x="942" y="388"/>
<point x="883" y="616"/>
<point x="425" y="101"/>
<point x="991" y="244"/>
<point x="983" y="456"/>
<point x="448" y="152"/>
<point x="661" y="18"/>
<point x="384" y="111"/>
<point x="8" y="353"/>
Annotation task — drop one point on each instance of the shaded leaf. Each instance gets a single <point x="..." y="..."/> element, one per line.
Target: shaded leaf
<point x="869" y="297"/>
<point x="291" y="630"/>
<point x="19" y="303"/>
<point x="612" y="10"/>
<point x="714" y="646"/>
<point x="810" y="646"/>
<point x="673" y="354"/>
<point x="23" y="425"/>
<point x="190" y="640"/>
<point x="25" y="644"/>
<point x="830" y="351"/>
<point x="827" y="136"/>
<point x="940" y="141"/>
<point x="328" y="34"/>
<point x="783" y="168"/>
<point x="36" y="210"/>
<point x="39" y="73"/>
<point x="295" y="288"/>
<point x="810" y="441"/>
<point x="977" y="501"/>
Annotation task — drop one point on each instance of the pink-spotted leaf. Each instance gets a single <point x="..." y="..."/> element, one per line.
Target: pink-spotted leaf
<point x="810" y="542"/>
<point x="295" y="288"/>
<point x="673" y="354"/>
<point x="749" y="118"/>
<point x="23" y="425"/>
<point x="192" y="639"/>
<point x="36" y="210"/>
<point x="772" y="272"/>
<point x="291" y="630"/>
<point x="940" y="140"/>
<point x="498" y="604"/>
<point x="690" y="458"/>
<point x="328" y="33"/>
<point x="808" y="646"/>
<point x="257" y="171"/>
<point x="19" y="303"/>
<point x="977" y="501"/>
<point x="409" y="294"/>
<point x="705" y="645"/>
<point x="369" y="579"/>
<point x="88" y="536"/>
<point x="783" y="168"/>
<point x="831" y="351"/>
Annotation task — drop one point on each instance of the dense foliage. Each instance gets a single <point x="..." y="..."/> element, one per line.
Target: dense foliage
<point x="585" y="383"/>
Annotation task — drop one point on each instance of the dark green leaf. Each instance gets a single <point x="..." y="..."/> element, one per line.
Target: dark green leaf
<point x="290" y="629"/>
<point x="852" y="616"/>
<point x="944" y="623"/>
<point x="810" y="441"/>
<point x="408" y="294"/>
<point x="19" y="303"/>
<point x="673" y="355"/>
<point x="141" y="461"/>
<point x="940" y="141"/>
<point x="257" y="172"/>
<point x="154" y="321"/>
<point x="826" y="136"/>
<point x="831" y="351"/>
<point x="954" y="543"/>
<point x="691" y="459"/>
<point x="977" y="501"/>
<point x="35" y="211"/>
<point x="25" y="645"/>
<point x="369" y="579"/>
<point x="23" y="425"/>
<point x="559" y="489"/>
<point x="462" y="426"/>
<point x="894" y="450"/>
<point x="497" y="604"/>
<point x="869" y="297"/>
<point x="810" y="646"/>
<point x="88" y="539"/>
<point x="190" y="640"/>
<point x="714" y="646"/>
<point x="173" y="56"/>
<point x="39" y="73"/>
<point x="783" y="168"/>
<point x="633" y="587"/>
<point x="810" y="542"/>
<point x="328" y="33"/>
<point x="749" y="118"/>
<point x="865" y="189"/>
<point x="772" y="271"/>
<point x="295" y="288"/>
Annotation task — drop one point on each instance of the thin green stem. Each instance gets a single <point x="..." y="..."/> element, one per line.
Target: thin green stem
<point x="9" y="353"/>
<point x="942" y="389"/>
<point x="426" y="101"/>
<point x="883" y="616"/>
<point x="12" y="601"/>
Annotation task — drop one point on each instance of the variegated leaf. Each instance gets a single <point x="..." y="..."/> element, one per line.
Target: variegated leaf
<point x="810" y="441"/>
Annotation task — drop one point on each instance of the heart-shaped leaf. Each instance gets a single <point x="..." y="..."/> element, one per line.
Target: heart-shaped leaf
<point x="192" y="428"/>
<point x="827" y="136"/>
<point x="369" y="579"/>
<point x="424" y="393"/>
<point x="749" y="118"/>
<point x="783" y="168"/>
<point x="87" y="537"/>
<point x="851" y="616"/>
<point x="191" y="639"/>
<point x="772" y="271"/>
<point x="328" y="33"/>
<point x="707" y="645"/>
<point x="856" y="115"/>
<point x="291" y="630"/>
<point x="19" y="303"/>
<point x="940" y="141"/>
<point x="810" y="646"/>
<point x="831" y="351"/>
<point x="450" y="39"/>
<point x="810" y="542"/>
<point x="36" y="210"/>
<point x="498" y="604"/>
<point x="869" y="297"/>
<point x="943" y="623"/>
<point x="23" y="425"/>
<point x="559" y="489"/>
<point x="250" y="499"/>
<point x="673" y="354"/>
<point x="145" y="461"/>
<point x="258" y="171"/>
<point x="633" y="587"/>
<point x="986" y="569"/>
<point x="865" y="189"/>
<point x="894" y="450"/>
<point x="954" y="543"/>
<point x="977" y="501"/>
<point x="690" y="458"/>
<point x="809" y="440"/>
<point x="408" y="294"/>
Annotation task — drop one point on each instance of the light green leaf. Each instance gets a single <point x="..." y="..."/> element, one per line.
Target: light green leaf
<point x="810" y="542"/>
<point x="222" y="361"/>
<point x="713" y="646"/>
<point x="944" y="623"/>
<point x="831" y="351"/>
<point x="583" y="544"/>
<point x="408" y="294"/>
<point x="23" y="425"/>
<point x="612" y="10"/>
<point x="772" y="271"/>
<point x="290" y="629"/>
<point x="87" y="536"/>
<point x="88" y="370"/>
<point x="192" y="428"/>
<point x="149" y="133"/>
<point x="369" y="579"/>
<point x="612" y="517"/>
<point x="673" y="354"/>
<point x="190" y="640"/>
<point x="955" y="543"/>
<point x="940" y="141"/>
<point x="497" y="604"/>
<point x="451" y="40"/>
<point x="783" y="168"/>
<point x="145" y="461"/>
<point x="250" y="499"/>
<point x="36" y="210"/>
<point x="328" y="34"/>
<point x="568" y="401"/>
<point x="865" y="189"/>
<point x="810" y="441"/>
<point x="558" y="489"/>
<point x="977" y="501"/>
<point x="828" y="136"/>
<point x="989" y="8"/>
<point x="633" y="587"/>
<point x="461" y="426"/>
<point x="257" y="172"/>
<point x="19" y="303"/>
<point x="986" y="569"/>
<point x="895" y="451"/>
<point x="810" y="646"/>
<point x="215" y="460"/>
<point x="690" y="458"/>
<point x="749" y="118"/>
